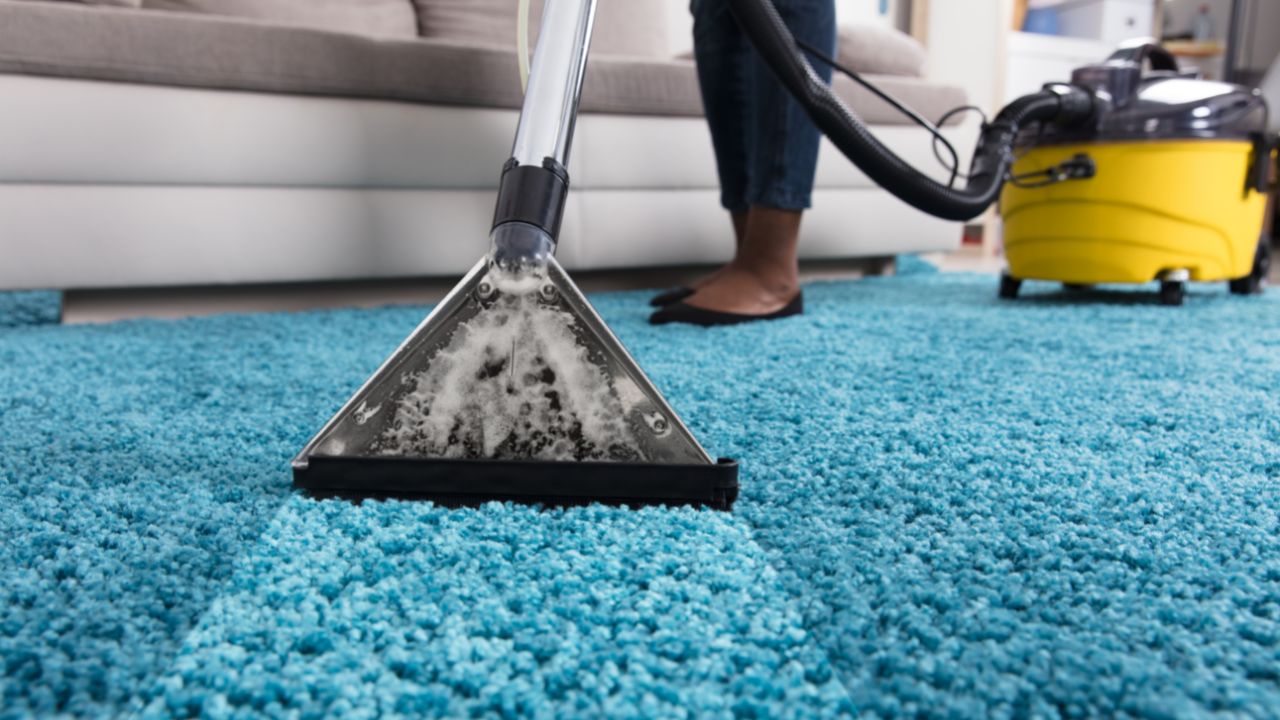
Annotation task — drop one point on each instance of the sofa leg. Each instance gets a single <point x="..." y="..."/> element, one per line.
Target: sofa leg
<point x="886" y="265"/>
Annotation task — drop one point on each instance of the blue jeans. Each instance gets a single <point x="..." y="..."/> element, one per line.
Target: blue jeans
<point x="766" y="147"/>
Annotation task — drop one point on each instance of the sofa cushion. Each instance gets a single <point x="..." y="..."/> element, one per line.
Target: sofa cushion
<point x="384" y="18"/>
<point x="880" y="50"/>
<point x="113" y="3"/>
<point x="623" y="27"/>
<point x="212" y="52"/>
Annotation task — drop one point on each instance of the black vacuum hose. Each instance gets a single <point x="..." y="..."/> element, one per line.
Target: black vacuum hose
<point x="992" y="158"/>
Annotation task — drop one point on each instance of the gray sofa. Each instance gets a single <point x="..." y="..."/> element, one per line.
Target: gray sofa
<point x="290" y="140"/>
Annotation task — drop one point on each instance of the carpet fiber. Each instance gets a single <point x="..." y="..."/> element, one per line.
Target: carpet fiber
<point x="29" y="307"/>
<point x="1068" y="505"/>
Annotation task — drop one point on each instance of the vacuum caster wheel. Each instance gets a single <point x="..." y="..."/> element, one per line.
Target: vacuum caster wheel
<point x="1009" y="286"/>
<point x="1256" y="280"/>
<point x="1172" y="292"/>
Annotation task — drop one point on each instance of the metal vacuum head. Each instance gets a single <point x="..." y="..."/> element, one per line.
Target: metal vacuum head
<point x="513" y="388"/>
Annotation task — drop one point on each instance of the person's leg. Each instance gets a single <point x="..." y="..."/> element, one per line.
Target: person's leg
<point x="721" y="53"/>
<point x="739" y="220"/>
<point x="765" y="274"/>
<point x="782" y="149"/>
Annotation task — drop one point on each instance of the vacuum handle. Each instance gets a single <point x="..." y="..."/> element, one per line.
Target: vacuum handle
<point x="1145" y="50"/>
<point x="555" y="82"/>
<point x="535" y="182"/>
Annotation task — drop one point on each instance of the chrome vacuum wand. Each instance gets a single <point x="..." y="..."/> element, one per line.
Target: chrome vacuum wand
<point x="535" y="181"/>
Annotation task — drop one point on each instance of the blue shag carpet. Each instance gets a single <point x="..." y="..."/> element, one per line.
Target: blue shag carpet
<point x="953" y="506"/>
<point x="30" y="307"/>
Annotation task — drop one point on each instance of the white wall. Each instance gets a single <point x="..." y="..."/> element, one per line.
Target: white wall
<point x="679" y="27"/>
<point x="965" y="45"/>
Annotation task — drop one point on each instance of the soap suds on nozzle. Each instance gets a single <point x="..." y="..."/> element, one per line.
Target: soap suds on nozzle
<point x="512" y="383"/>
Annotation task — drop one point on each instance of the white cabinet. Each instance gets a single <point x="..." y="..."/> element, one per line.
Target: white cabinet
<point x="1111" y="21"/>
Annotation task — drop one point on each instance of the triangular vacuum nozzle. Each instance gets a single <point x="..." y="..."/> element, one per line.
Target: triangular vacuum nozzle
<point x="513" y="388"/>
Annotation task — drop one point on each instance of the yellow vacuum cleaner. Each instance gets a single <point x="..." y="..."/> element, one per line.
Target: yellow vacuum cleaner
<point x="1168" y="182"/>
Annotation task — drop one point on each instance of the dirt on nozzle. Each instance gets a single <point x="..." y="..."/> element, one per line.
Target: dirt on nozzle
<point x="513" y="382"/>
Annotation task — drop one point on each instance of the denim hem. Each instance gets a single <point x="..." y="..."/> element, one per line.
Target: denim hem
<point x="781" y="199"/>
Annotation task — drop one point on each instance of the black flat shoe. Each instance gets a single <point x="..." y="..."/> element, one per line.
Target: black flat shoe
<point x="674" y="295"/>
<point x="686" y="313"/>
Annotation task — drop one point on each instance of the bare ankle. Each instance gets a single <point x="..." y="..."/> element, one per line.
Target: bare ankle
<point x="777" y="279"/>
